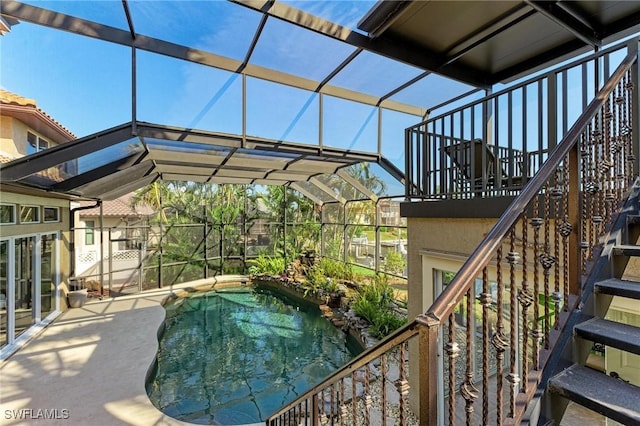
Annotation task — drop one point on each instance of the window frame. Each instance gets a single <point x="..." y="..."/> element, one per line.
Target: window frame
<point x="89" y="231"/>
<point x="40" y="143"/>
<point x="44" y="214"/>
<point x="34" y="208"/>
<point x="13" y="214"/>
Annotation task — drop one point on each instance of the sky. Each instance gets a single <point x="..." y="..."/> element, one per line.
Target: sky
<point x="86" y="84"/>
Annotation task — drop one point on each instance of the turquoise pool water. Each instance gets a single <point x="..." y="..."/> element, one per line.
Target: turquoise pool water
<point x="235" y="357"/>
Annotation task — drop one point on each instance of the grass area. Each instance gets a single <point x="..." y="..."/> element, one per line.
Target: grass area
<point x="386" y="235"/>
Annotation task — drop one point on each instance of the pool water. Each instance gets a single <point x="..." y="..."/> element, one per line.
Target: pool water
<point x="235" y="357"/>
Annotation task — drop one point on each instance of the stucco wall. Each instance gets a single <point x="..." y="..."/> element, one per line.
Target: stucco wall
<point x="455" y="236"/>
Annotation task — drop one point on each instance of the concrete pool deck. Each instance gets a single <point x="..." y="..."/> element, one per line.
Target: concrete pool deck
<point x="89" y="366"/>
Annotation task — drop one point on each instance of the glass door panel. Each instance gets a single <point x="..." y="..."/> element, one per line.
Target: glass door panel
<point x="4" y="262"/>
<point x="25" y="283"/>
<point x="48" y="275"/>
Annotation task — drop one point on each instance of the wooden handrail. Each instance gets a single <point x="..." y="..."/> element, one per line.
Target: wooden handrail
<point x="472" y="268"/>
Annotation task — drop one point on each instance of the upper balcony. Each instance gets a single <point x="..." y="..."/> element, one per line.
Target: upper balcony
<point x="494" y="146"/>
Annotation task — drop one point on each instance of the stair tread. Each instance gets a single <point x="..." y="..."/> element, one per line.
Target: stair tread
<point x="626" y="250"/>
<point x="611" y="397"/>
<point x="610" y="333"/>
<point x="618" y="287"/>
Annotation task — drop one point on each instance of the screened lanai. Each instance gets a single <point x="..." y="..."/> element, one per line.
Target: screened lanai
<point x="311" y="96"/>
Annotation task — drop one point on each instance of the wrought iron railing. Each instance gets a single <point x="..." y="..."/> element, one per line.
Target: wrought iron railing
<point x="477" y="354"/>
<point x="494" y="146"/>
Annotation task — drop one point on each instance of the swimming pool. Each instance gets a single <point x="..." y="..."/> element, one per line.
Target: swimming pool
<point x="237" y="355"/>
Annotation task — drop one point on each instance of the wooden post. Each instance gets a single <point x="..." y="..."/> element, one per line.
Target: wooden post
<point x="428" y="355"/>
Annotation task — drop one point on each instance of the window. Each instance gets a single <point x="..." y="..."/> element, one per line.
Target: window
<point x="7" y="214"/>
<point x="35" y="143"/>
<point x="89" y="233"/>
<point x="29" y="214"/>
<point x="51" y="214"/>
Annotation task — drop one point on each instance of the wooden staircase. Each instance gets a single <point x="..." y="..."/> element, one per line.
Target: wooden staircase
<point x="572" y="380"/>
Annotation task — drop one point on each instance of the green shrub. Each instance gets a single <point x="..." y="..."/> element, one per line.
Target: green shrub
<point x="366" y="309"/>
<point x="373" y="303"/>
<point x="336" y="269"/>
<point x="266" y="265"/>
<point x="394" y="263"/>
<point x="384" y="323"/>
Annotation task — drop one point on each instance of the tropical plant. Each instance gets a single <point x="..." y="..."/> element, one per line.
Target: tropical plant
<point x="374" y="304"/>
<point x="336" y="269"/>
<point x="394" y="262"/>
<point x="266" y="265"/>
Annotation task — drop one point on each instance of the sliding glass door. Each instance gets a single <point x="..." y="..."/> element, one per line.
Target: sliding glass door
<point x="25" y="253"/>
<point x="28" y="283"/>
<point x="4" y="291"/>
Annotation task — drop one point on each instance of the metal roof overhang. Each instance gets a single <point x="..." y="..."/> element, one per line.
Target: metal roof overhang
<point x="498" y="41"/>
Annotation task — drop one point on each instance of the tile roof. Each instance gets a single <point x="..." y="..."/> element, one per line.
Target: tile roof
<point x="10" y="98"/>
<point x="120" y="207"/>
<point x="7" y="97"/>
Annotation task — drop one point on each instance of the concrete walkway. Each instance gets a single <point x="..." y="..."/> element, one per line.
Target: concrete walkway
<point x="89" y="366"/>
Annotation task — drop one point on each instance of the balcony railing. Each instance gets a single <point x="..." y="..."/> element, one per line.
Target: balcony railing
<point x="477" y="354"/>
<point x="494" y="146"/>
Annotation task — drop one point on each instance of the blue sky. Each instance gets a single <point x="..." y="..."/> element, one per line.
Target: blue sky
<point x="86" y="84"/>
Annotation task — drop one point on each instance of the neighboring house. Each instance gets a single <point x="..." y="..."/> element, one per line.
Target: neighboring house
<point x="124" y="231"/>
<point x="34" y="236"/>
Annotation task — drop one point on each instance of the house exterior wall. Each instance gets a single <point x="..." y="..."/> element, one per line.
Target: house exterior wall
<point x="7" y="136"/>
<point x="457" y="237"/>
<point x="13" y="139"/>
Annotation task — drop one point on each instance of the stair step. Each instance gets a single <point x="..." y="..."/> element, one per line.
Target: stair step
<point x="610" y="333"/>
<point x="596" y="391"/>
<point x="618" y="287"/>
<point x="626" y="250"/>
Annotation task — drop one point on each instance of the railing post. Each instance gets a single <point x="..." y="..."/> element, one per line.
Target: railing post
<point x="428" y="371"/>
<point x="314" y="410"/>
<point x="635" y="108"/>
<point x="573" y="213"/>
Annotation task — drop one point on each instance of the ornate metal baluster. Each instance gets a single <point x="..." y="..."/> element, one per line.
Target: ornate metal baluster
<point x="526" y="299"/>
<point x="556" y="194"/>
<point x="453" y="351"/>
<point x="485" y="301"/>
<point x="618" y="144"/>
<point x="608" y="167"/>
<point x="584" y="154"/>
<point x="536" y="333"/>
<point x="467" y="389"/>
<point x="592" y="189"/>
<point x="343" y="410"/>
<point x="597" y="159"/>
<point x="547" y="262"/>
<point x="565" y="230"/>
<point x="628" y="174"/>
<point x="368" y="402"/>
<point x="323" y="419"/>
<point x="513" y="378"/>
<point x="499" y="341"/>
<point x="354" y="399"/>
<point x="402" y="385"/>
